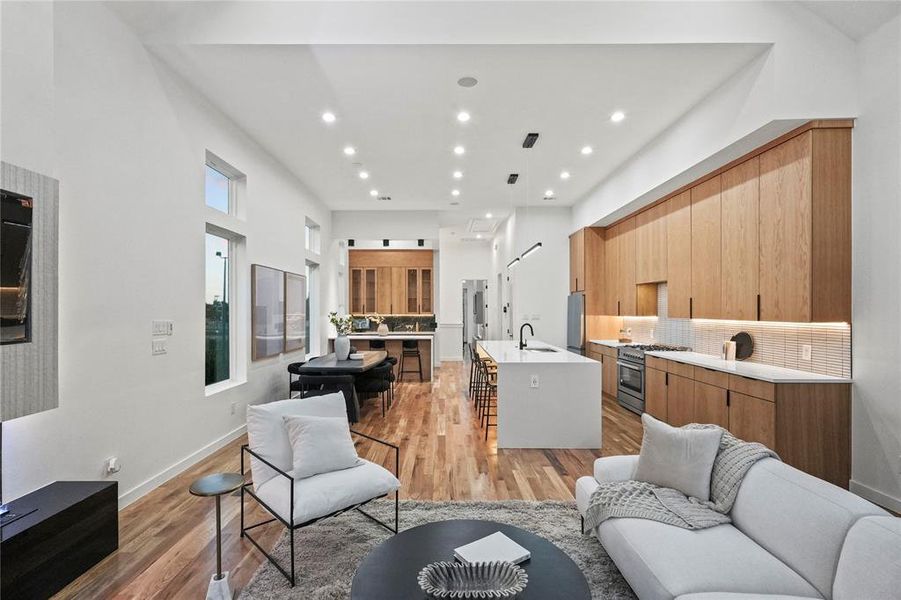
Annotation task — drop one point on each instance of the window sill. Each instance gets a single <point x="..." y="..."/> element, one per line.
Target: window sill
<point x="222" y="386"/>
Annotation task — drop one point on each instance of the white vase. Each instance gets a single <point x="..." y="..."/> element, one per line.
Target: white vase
<point x="342" y="347"/>
<point x="383" y="329"/>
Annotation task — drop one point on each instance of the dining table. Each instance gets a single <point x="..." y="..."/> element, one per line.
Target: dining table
<point x="328" y="365"/>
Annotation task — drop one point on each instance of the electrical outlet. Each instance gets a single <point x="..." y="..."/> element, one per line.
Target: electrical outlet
<point x="652" y="334"/>
<point x="805" y="352"/>
<point x="158" y="347"/>
<point x="533" y="382"/>
<point x="112" y="465"/>
<point x="234" y="407"/>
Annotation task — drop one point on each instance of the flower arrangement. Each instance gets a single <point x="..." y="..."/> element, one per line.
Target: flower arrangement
<point x="343" y="325"/>
<point x="376" y="318"/>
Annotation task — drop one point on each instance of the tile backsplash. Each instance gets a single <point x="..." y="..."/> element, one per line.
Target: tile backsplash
<point x="777" y="344"/>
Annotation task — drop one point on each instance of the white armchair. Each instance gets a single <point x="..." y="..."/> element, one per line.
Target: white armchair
<point x="297" y="503"/>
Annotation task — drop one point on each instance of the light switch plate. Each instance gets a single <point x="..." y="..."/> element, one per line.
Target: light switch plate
<point x="159" y="327"/>
<point x="533" y="382"/>
<point x="805" y="352"/>
<point x="158" y="347"/>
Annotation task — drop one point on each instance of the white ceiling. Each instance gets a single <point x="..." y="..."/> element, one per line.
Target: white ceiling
<point x="397" y="105"/>
<point x="855" y="18"/>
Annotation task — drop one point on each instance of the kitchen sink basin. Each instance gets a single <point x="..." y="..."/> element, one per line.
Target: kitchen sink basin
<point x="539" y="349"/>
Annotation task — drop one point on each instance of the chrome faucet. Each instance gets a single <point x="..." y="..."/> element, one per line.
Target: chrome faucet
<point x="522" y="344"/>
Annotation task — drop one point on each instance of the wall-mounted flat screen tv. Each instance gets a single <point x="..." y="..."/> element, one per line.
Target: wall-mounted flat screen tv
<point x="15" y="267"/>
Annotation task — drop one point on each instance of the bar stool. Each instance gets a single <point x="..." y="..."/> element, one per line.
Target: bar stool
<point x="487" y="392"/>
<point x="410" y="349"/>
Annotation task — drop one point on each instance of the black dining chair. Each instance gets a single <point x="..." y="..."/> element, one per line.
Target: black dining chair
<point x="320" y="385"/>
<point x="376" y="380"/>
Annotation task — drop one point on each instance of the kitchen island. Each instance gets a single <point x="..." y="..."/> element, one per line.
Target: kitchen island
<point x="547" y="397"/>
<point x="393" y="345"/>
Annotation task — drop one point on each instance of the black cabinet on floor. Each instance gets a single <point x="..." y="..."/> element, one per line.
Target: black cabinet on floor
<point x="75" y="525"/>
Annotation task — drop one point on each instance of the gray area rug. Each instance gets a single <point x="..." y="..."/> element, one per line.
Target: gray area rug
<point x="327" y="553"/>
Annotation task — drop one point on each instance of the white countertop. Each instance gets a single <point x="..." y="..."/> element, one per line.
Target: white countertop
<point x="394" y="335"/>
<point x="610" y="343"/>
<point x="508" y="352"/>
<point x="747" y="369"/>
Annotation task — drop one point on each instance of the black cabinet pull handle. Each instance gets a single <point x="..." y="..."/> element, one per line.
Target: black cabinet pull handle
<point x="666" y="378"/>
<point x="728" y="397"/>
<point x="691" y="307"/>
<point x="758" y="307"/>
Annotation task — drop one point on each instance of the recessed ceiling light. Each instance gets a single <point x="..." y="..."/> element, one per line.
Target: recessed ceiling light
<point x="462" y="116"/>
<point x="587" y="150"/>
<point x="328" y="117"/>
<point x="458" y="174"/>
<point x="487" y="215"/>
<point x="459" y="150"/>
<point x="618" y="116"/>
<point x="364" y="175"/>
<point x="467" y="82"/>
<point x="478" y="236"/>
<point x="455" y="192"/>
<point x="548" y="193"/>
<point x="564" y="175"/>
<point x="373" y="193"/>
<point x="349" y="150"/>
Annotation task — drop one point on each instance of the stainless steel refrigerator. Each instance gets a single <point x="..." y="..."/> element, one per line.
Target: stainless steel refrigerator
<point x="575" y="323"/>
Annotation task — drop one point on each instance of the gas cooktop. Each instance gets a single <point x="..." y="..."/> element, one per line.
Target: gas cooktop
<point x="635" y="352"/>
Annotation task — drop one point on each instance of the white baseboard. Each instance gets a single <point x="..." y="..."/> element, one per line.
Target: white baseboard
<point x="166" y="474"/>
<point x="875" y="496"/>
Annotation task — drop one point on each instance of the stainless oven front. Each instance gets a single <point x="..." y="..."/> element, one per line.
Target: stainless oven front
<point x="630" y="386"/>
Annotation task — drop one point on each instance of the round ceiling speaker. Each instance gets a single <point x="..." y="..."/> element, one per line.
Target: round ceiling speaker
<point x="467" y="82"/>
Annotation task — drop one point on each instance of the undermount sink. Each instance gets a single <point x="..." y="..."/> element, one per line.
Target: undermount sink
<point x="539" y="349"/>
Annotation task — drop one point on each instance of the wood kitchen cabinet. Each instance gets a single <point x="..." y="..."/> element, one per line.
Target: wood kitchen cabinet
<point x="710" y="404"/>
<point x="655" y="393"/>
<point x="363" y="290"/>
<point x="706" y="250"/>
<point x="740" y="201"/>
<point x="680" y="392"/>
<point x="398" y="290"/>
<point x="383" y="303"/>
<point x="610" y="380"/>
<point x="356" y="291"/>
<point x="577" y="261"/>
<point x="620" y="288"/>
<point x="805" y="228"/>
<point x="391" y="282"/>
<point x="752" y="419"/>
<point x="650" y="244"/>
<point x="678" y="256"/>
<point x="419" y="291"/>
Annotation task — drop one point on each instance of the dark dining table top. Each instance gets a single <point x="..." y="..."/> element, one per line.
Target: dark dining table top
<point x="330" y="364"/>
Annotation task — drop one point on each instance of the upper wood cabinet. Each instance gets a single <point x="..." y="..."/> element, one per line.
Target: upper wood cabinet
<point x="740" y="201"/>
<point x="611" y="272"/>
<point x="619" y="247"/>
<point x="678" y="256"/>
<point x="650" y="244"/>
<point x="706" y="257"/>
<point x="577" y="261"/>
<point x="805" y="228"/>
<point x="391" y="282"/>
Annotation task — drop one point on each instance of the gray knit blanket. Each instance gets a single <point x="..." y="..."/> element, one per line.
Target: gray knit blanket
<point x="642" y="500"/>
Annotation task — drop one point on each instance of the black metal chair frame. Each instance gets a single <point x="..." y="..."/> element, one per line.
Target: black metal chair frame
<point x="410" y="352"/>
<point x="247" y="488"/>
<point x="483" y="404"/>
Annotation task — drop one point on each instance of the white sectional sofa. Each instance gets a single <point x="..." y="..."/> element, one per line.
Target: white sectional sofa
<point x="793" y="536"/>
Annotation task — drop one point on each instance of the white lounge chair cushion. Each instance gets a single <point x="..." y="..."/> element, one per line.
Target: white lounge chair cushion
<point x="320" y="445"/>
<point x="323" y="494"/>
<point x="734" y="596"/>
<point x="268" y="436"/>
<point x="662" y="561"/>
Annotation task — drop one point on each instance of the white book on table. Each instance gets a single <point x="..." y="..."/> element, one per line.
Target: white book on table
<point x="495" y="547"/>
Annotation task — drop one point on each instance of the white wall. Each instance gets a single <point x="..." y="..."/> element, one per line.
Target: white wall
<point x="385" y="224"/>
<point x="876" y="341"/>
<point x="457" y="260"/>
<point x="540" y="282"/>
<point x="128" y="144"/>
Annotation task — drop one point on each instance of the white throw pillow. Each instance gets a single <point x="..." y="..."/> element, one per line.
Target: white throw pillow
<point x="321" y="445"/>
<point x="677" y="458"/>
<point x="268" y="437"/>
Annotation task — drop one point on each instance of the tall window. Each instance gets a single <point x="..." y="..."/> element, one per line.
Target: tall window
<point x="312" y="322"/>
<point x="311" y="236"/>
<point x="218" y="290"/>
<point x="218" y="190"/>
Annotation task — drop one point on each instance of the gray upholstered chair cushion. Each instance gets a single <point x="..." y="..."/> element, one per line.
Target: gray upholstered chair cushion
<point x="800" y="519"/>
<point x="732" y="596"/>
<point x="870" y="562"/>
<point x="662" y="562"/>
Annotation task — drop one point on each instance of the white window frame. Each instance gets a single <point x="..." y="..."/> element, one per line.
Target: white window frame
<point x="237" y="186"/>
<point x="313" y="284"/>
<point x="312" y="236"/>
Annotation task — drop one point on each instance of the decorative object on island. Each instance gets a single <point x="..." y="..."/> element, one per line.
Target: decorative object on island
<point x="267" y="291"/>
<point x="295" y="311"/>
<point x="380" y="321"/>
<point x="343" y="326"/>
<point x="476" y="580"/>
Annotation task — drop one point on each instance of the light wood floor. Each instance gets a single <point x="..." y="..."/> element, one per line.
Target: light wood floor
<point x="167" y="538"/>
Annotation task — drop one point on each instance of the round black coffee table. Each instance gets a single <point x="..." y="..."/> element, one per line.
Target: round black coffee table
<point x="389" y="571"/>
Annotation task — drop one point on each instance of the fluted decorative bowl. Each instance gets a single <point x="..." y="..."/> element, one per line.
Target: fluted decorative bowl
<point x="476" y="580"/>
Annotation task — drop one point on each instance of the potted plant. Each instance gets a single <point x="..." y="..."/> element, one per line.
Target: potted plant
<point x="380" y="321"/>
<point x="343" y="326"/>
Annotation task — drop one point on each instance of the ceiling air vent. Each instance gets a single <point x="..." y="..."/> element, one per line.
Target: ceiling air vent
<point x="384" y="198"/>
<point x="511" y="179"/>
<point x="530" y="140"/>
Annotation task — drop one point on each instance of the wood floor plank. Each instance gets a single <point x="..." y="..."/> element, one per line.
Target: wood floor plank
<point x="167" y="538"/>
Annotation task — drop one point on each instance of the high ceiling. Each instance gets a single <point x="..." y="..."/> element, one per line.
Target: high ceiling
<point x="397" y="106"/>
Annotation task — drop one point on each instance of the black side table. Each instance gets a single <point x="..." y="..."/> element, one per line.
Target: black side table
<point x="218" y="485"/>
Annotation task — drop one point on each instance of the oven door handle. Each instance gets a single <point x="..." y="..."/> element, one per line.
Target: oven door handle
<point x="629" y="365"/>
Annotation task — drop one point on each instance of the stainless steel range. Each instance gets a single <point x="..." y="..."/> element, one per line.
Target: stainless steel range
<point x="630" y="373"/>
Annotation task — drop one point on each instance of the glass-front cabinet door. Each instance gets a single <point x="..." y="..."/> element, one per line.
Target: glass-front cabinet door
<point x="370" y="286"/>
<point x="413" y="291"/>
<point x="425" y="294"/>
<point x="356" y="291"/>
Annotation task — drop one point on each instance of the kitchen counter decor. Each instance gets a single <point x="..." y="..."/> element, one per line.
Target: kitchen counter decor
<point x="343" y="326"/>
